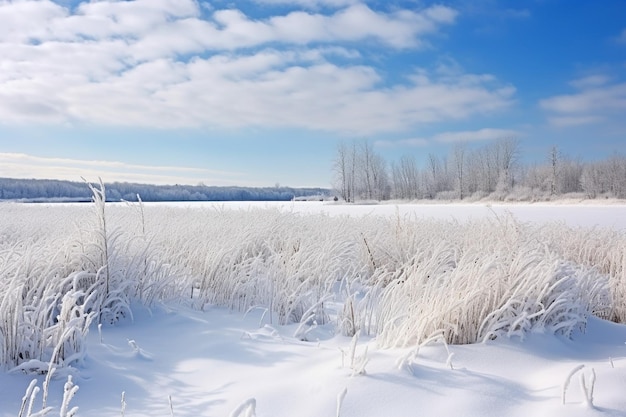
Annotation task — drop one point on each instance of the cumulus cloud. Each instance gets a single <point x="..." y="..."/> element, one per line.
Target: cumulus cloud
<point x="154" y="21"/>
<point x="163" y="63"/>
<point x="19" y="165"/>
<point x="596" y="100"/>
<point x="278" y="89"/>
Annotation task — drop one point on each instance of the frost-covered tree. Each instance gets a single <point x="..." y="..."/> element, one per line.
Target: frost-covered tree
<point x="406" y="178"/>
<point x="360" y="172"/>
<point x="606" y="177"/>
<point x="459" y="165"/>
<point x="344" y="171"/>
<point x="505" y="154"/>
<point x="554" y="169"/>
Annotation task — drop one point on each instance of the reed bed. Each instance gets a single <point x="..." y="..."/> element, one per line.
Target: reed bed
<point x="64" y="268"/>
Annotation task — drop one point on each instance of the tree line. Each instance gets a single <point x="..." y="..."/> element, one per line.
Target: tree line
<point x="493" y="171"/>
<point x="58" y="190"/>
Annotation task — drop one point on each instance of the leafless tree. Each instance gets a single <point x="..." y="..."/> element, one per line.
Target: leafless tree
<point x="359" y="172"/>
<point x="344" y="172"/>
<point x="507" y="154"/>
<point x="458" y="161"/>
<point x="554" y="166"/>
<point x="438" y="178"/>
<point x="406" y="178"/>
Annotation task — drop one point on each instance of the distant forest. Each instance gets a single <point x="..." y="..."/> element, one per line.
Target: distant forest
<point x="492" y="172"/>
<point x="33" y="190"/>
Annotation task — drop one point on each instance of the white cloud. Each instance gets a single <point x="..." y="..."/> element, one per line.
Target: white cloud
<point x="597" y="101"/>
<point x="158" y="63"/>
<point x="589" y="81"/>
<point x="44" y="20"/>
<point x="18" y="165"/>
<point x="148" y="23"/>
<point x="441" y="14"/>
<point x="267" y="88"/>
<point x="622" y="37"/>
<point x="22" y="20"/>
<point x="310" y="3"/>
<point x="485" y="134"/>
<point x="475" y="135"/>
<point x="401" y="29"/>
<point x="410" y="143"/>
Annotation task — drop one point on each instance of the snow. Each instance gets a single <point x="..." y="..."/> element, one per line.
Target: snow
<point x="217" y="362"/>
<point x="211" y="362"/>
<point x="588" y="214"/>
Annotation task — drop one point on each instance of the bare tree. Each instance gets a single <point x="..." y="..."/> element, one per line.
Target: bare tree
<point x="570" y="173"/>
<point x="359" y="172"/>
<point x="493" y="169"/>
<point x="438" y="175"/>
<point x="474" y="171"/>
<point x="380" y="177"/>
<point x="507" y="154"/>
<point x="344" y="172"/>
<point x="406" y="178"/>
<point x="592" y="181"/>
<point x="484" y="168"/>
<point x="554" y="165"/>
<point x="606" y="177"/>
<point x="370" y="173"/>
<point x="616" y="167"/>
<point x="458" y="160"/>
<point x="365" y="167"/>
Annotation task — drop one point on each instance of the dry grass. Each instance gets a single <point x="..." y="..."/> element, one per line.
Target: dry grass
<point x="401" y="279"/>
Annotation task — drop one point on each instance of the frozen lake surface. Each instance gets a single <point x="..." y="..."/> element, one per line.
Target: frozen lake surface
<point x="585" y="214"/>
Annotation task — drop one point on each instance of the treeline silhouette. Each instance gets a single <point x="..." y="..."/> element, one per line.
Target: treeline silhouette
<point x="35" y="190"/>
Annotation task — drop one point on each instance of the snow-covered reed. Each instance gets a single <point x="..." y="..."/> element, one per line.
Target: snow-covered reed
<point x="480" y="280"/>
<point x="245" y="409"/>
<point x="41" y="318"/>
<point x="601" y="248"/>
<point x="399" y="278"/>
<point x="241" y="259"/>
<point x="61" y="268"/>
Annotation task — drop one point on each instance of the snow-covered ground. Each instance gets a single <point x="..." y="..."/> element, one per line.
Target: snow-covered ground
<point x="586" y="214"/>
<point x="174" y="361"/>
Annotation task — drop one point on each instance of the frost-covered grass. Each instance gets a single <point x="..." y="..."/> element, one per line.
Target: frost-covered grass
<point x="399" y="278"/>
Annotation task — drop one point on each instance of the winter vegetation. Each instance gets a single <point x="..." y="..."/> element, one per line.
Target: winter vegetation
<point x="32" y="190"/>
<point x="370" y="284"/>
<point x="491" y="172"/>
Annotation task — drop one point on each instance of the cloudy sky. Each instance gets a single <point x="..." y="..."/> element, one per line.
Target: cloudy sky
<point x="258" y="92"/>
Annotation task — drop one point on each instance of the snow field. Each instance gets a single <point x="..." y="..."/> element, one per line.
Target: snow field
<point x="305" y="284"/>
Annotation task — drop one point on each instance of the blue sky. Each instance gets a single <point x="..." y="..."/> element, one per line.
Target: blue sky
<point x="259" y="92"/>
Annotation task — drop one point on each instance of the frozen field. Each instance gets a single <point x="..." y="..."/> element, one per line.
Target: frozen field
<point x="586" y="214"/>
<point x="312" y="309"/>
